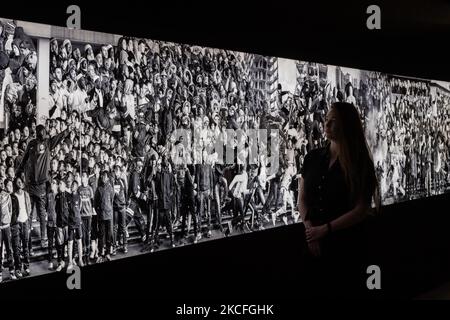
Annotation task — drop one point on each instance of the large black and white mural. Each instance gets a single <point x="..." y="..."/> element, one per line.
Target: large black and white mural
<point x="147" y="145"/>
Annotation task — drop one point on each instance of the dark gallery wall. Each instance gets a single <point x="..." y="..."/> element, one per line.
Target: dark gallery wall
<point x="410" y="241"/>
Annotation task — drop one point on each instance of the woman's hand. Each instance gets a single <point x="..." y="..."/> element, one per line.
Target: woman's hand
<point x="315" y="233"/>
<point x="314" y="248"/>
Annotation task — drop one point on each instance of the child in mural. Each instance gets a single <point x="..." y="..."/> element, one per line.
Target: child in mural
<point x="5" y="231"/>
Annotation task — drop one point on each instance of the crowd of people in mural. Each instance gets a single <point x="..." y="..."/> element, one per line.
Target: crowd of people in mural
<point x="18" y="61"/>
<point x="410" y="137"/>
<point x="108" y="156"/>
<point x="109" y="160"/>
<point x="407" y="123"/>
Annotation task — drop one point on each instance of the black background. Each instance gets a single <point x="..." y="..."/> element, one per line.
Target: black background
<point x="409" y="241"/>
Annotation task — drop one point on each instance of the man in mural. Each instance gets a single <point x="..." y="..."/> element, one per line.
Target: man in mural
<point x="36" y="164"/>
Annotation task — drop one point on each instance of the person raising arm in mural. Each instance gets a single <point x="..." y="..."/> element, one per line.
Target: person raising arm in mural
<point x="36" y="165"/>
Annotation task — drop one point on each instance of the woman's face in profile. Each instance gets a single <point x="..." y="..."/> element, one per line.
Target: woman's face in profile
<point x="331" y="125"/>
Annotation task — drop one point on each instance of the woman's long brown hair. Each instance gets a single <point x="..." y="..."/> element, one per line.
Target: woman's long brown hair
<point x="355" y="156"/>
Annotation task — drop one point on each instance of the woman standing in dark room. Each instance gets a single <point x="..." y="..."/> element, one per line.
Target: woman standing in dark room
<point x="336" y="190"/>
